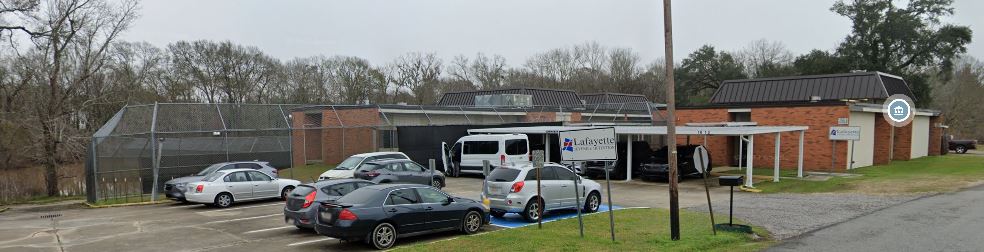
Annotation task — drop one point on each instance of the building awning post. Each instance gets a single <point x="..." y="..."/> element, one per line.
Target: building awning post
<point x="751" y="156"/>
<point x="799" y="161"/>
<point x="628" y="159"/>
<point x="775" y="174"/>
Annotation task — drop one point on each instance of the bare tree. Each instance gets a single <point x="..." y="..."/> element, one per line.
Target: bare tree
<point x="417" y="72"/>
<point x="763" y="58"/>
<point x="359" y="81"/>
<point x="624" y="69"/>
<point x="959" y="98"/>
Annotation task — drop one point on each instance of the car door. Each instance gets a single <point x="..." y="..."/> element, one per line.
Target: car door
<point x="396" y="170"/>
<point x="263" y="185"/>
<point x="403" y="207"/>
<point x="239" y="185"/>
<point x="548" y="186"/>
<point x="517" y="151"/>
<point x="565" y="191"/>
<point x="440" y="213"/>
<point x="416" y="173"/>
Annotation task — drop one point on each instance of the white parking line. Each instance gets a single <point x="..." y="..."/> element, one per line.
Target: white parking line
<point x="308" y="242"/>
<point x="267" y="229"/>
<point x="245" y="207"/>
<point x="183" y="206"/>
<point x="242" y="219"/>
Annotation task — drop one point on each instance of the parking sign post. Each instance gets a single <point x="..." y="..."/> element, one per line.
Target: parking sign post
<point x="538" y="165"/>
<point x="596" y="144"/>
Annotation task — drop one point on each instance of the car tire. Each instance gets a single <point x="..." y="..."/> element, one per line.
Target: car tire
<point x="437" y="183"/>
<point x="533" y="210"/>
<point x="592" y="202"/>
<point x="285" y="192"/>
<point x="383" y="236"/>
<point x="960" y="149"/>
<point x="497" y="214"/>
<point x="472" y="222"/>
<point x="223" y="200"/>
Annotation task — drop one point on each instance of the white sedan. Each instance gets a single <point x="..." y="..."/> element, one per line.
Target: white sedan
<point x="223" y="188"/>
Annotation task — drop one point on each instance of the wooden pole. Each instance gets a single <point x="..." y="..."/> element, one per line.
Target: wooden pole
<point x="671" y="123"/>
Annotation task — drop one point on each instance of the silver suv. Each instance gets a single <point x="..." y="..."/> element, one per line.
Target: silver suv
<point x="513" y="190"/>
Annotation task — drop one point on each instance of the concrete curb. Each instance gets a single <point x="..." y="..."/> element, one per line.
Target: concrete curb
<point x="90" y="205"/>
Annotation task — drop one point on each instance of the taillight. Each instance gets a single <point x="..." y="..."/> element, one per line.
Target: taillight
<point x="502" y="160"/>
<point x="518" y="186"/>
<point x="345" y="214"/>
<point x="309" y="199"/>
<point x="200" y="188"/>
<point x="372" y="174"/>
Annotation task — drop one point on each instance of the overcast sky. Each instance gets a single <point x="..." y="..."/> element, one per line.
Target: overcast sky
<point x="381" y="30"/>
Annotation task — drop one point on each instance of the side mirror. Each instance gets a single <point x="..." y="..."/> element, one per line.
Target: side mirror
<point x="448" y="201"/>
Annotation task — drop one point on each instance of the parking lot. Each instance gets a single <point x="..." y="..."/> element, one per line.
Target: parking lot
<point x="255" y="226"/>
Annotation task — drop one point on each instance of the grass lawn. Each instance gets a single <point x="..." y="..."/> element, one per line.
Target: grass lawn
<point x="635" y="230"/>
<point x="307" y="173"/>
<point x="926" y="174"/>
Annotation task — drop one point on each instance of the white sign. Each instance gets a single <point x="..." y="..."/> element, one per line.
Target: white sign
<point x="845" y="133"/>
<point x="588" y="144"/>
<point x="843" y="121"/>
<point x="701" y="160"/>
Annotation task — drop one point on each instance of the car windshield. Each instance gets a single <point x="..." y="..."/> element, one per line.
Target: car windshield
<point x="212" y="177"/>
<point x="209" y="170"/>
<point x="503" y="174"/>
<point x="359" y="196"/>
<point x="349" y="163"/>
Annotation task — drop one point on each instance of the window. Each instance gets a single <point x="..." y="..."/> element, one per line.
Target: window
<point x="339" y="189"/>
<point x="545" y="174"/>
<point x="258" y="176"/>
<point x="363" y="184"/>
<point x="402" y="197"/>
<point x="428" y="195"/>
<point x="392" y="156"/>
<point x="361" y="196"/>
<point x="562" y="173"/>
<point x="413" y="167"/>
<point x="387" y="139"/>
<point x="301" y="191"/>
<point x="516" y="147"/>
<point x="236" y="177"/>
<point x="481" y="147"/>
<point x="503" y="174"/>
<point x="249" y="165"/>
<point x="394" y="167"/>
<point x="228" y="167"/>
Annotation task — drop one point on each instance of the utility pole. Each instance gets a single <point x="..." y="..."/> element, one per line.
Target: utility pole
<point x="671" y="123"/>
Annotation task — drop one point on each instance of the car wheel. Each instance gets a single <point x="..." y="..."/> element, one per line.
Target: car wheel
<point x="961" y="149"/>
<point x="593" y="202"/>
<point x="437" y="183"/>
<point x="285" y="192"/>
<point x="497" y="214"/>
<point x="223" y="200"/>
<point x="472" y="222"/>
<point x="533" y="210"/>
<point x="383" y="236"/>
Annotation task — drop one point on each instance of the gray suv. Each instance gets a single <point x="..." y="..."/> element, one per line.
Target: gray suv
<point x="513" y="190"/>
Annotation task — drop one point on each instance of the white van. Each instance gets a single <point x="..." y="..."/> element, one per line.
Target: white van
<point x="468" y="152"/>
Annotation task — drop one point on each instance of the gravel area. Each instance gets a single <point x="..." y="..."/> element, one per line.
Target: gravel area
<point x="790" y="215"/>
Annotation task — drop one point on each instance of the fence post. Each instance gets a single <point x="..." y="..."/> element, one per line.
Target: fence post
<point x="155" y="160"/>
<point x="431" y="163"/>
<point x="90" y="169"/>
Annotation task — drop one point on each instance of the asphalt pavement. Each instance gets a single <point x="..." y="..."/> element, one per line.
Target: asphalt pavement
<point x="945" y="222"/>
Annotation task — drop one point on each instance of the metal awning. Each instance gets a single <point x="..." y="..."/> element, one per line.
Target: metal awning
<point x="745" y="133"/>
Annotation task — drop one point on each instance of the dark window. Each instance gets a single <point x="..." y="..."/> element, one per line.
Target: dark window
<point x="516" y="147"/>
<point x="339" y="189"/>
<point x="227" y="167"/>
<point x="363" y="184"/>
<point x="360" y="196"/>
<point x="394" y="167"/>
<point x="302" y="190"/>
<point x="545" y="174"/>
<point x="392" y="156"/>
<point x="503" y="174"/>
<point x="481" y="147"/>
<point x="562" y="173"/>
<point x="428" y="195"/>
<point x="387" y="139"/>
<point x="237" y="177"/>
<point x="249" y="165"/>
<point x="258" y="176"/>
<point x="413" y="167"/>
<point x="402" y="197"/>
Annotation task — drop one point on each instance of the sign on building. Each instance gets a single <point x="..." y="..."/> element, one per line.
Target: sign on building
<point x="588" y="144"/>
<point x="845" y="133"/>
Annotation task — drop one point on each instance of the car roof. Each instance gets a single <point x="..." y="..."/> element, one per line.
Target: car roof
<point x="370" y="154"/>
<point x="525" y="167"/>
<point x="324" y="183"/>
<point x="480" y="137"/>
<point x="388" y="160"/>
<point x="237" y="169"/>
<point x="393" y="186"/>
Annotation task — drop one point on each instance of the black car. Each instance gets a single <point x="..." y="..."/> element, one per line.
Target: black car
<point x="302" y="203"/>
<point x="380" y="214"/>
<point x="616" y="169"/>
<point x="399" y="171"/>
<point x="655" y="167"/>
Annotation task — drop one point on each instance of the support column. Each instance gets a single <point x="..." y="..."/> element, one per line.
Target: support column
<point x="775" y="174"/>
<point x="628" y="159"/>
<point x="799" y="161"/>
<point x="546" y="147"/>
<point x="751" y="155"/>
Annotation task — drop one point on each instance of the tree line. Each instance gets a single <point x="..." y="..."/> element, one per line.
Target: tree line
<point x="64" y="71"/>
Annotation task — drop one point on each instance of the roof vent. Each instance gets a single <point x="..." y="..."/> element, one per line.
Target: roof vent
<point x="814" y="98"/>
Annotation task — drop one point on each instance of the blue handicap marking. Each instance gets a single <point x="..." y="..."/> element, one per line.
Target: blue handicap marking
<point x="513" y="220"/>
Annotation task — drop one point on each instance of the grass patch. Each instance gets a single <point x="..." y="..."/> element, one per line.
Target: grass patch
<point x="307" y="173"/>
<point x="926" y="174"/>
<point x="635" y="230"/>
<point x="42" y="200"/>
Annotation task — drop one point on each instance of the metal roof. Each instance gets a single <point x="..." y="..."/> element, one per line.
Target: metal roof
<point x="541" y="97"/>
<point x="607" y="98"/>
<point x="831" y="87"/>
<point x="649" y="130"/>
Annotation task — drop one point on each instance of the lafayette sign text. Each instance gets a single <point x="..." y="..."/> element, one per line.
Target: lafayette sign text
<point x="588" y="144"/>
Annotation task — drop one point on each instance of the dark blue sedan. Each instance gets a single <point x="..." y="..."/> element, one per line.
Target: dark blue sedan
<point x="302" y="203"/>
<point x="379" y="214"/>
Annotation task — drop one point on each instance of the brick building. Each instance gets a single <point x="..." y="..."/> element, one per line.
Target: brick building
<point x="819" y="102"/>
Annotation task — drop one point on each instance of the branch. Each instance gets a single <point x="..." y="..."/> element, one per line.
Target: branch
<point x="25" y="30"/>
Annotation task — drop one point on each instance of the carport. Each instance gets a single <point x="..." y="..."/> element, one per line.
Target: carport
<point x="745" y="133"/>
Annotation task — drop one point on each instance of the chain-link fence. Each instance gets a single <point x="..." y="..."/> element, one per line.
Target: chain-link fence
<point x="143" y="146"/>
